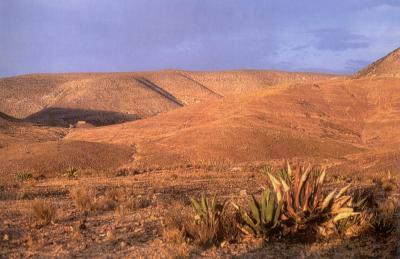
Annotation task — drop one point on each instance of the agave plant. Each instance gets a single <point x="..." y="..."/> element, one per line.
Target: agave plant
<point x="208" y="225"/>
<point x="303" y="197"/>
<point x="71" y="172"/>
<point x="24" y="175"/>
<point x="267" y="169"/>
<point x="208" y="211"/>
<point x="264" y="215"/>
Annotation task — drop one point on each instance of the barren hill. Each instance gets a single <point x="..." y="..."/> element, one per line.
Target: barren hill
<point x="110" y="98"/>
<point x="338" y="121"/>
<point x="334" y="120"/>
<point x="239" y="117"/>
<point x="388" y="66"/>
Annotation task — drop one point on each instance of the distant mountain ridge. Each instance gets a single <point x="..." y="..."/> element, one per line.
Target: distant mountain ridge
<point x="110" y="98"/>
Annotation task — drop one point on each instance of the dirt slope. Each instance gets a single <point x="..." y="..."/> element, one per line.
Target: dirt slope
<point x="110" y="98"/>
<point x="388" y="66"/>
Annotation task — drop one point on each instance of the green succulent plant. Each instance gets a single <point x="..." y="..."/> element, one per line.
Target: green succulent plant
<point x="71" y="172"/>
<point x="264" y="215"/>
<point x="208" y="226"/>
<point x="208" y="211"/>
<point x="24" y="175"/>
<point x="303" y="198"/>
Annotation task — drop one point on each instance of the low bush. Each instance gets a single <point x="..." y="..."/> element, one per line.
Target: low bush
<point x="44" y="211"/>
<point x="383" y="219"/>
<point x="84" y="197"/>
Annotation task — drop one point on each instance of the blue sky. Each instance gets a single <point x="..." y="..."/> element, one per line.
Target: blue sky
<point x="130" y="35"/>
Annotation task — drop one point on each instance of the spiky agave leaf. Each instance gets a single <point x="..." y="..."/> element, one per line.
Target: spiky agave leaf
<point x="342" y="191"/>
<point x="197" y="208"/>
<point x="345" y="215"/>
<point x="289" y="170"/>
<point x="264" y="215"/>
<point x="277" y="187"/>
<point x="328" y="200"/>
<point x="255" y="209"/>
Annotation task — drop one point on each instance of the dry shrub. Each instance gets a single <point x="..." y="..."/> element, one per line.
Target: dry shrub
<point x="229" y="221"/>
<point x="110" y="199"/>
<point x="83" y="197"/>
<point x="181" y="225"/>
<point x="44" y="211"/>
<point x="175" y="222"/>
<point x="120" y="213"/>
<point x="385" y="181"/>
<point x="383" y="219"/>
<point x="137" y="202"/>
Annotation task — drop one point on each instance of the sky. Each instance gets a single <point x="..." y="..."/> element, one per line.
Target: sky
<point x="46" y="36"/>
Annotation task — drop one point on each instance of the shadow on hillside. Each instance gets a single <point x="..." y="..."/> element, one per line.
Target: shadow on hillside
<point x="64" y="117"/>
<point x="152" y="86"/>
<point x="7" y="117"/>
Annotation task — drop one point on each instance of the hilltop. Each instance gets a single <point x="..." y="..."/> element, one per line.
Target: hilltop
<point x="388" y="66"/>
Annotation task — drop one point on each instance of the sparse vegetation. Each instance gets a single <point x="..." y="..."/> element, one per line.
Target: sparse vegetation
<point x="71" y="172"/>
<point x="383" y="218"/>
<point x="137" y="202"/>
<point x="24" y="175"/>
<point x="208" y="224"/>
<point x="83" y="197"/>
<point x="44" y="211"/>
<point x="120" y="213"/>
<point x="110" y="200"/>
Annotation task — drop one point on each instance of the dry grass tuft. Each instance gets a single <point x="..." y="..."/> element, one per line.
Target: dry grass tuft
<point x="138" y="202"/>
<point x="383" y="219"/>
<point x="120" y="213"/>
<point x="84" y="197"/>
<point x="44" y="211"/>
<point x="175" y="222"/>
<point x="110" y="199"/>
<point x="182" y="225"/>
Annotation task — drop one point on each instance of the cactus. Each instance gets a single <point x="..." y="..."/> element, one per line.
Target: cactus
<point x="264" y="215"/>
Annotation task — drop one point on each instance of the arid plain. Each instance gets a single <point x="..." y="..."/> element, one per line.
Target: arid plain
<point x="113" y="155"/>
